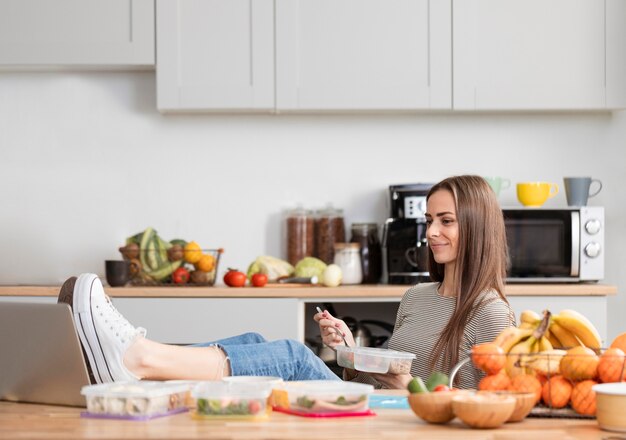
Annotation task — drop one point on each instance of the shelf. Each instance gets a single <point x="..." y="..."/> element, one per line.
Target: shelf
<point x="303" y="292"/>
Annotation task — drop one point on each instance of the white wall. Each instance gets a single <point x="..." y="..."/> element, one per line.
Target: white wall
<point x="86" y="160"/>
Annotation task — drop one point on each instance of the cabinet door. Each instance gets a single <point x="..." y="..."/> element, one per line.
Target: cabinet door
<point x="77" y="32"/>
<point x="529" y="54"/>
<point x="363" y="54"/>
<point x="215" y="54"/>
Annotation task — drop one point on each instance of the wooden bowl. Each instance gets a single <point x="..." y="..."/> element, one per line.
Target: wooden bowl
<point x="484" y="410"/>
<point x="433" y="407"/>
<point x="524" y="403"/>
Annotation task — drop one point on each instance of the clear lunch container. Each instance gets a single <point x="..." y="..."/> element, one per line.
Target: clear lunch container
<point x="243" y="400"/>
<point x="374" y="360"/>
<point x="139" y="400"/>
<point x="327" y="396"/>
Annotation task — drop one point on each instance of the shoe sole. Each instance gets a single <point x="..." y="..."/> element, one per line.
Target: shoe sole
<point x="66" y="296"/>
<point x="83" y="316"/>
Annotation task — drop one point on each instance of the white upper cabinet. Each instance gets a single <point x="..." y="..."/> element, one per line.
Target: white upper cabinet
<point x="538" y="54"/>
<point x="215" y="55"/>
<point x="77" y="32"/>
<point x="363" y="55"/>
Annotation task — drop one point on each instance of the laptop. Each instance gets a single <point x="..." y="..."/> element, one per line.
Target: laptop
<point x="41" y="359"/>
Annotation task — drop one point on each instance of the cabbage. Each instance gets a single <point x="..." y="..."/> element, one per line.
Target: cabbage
<point x="273" y="267"/>
<point x="310" y="267"/>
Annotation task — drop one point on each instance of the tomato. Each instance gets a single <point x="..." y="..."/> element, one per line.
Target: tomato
<point x="259" y="280"/>
<point x="441" y="387"/>
<point x="180" y="276"/>
<point x="234" y="278"/>
<point x="254" y="406"/>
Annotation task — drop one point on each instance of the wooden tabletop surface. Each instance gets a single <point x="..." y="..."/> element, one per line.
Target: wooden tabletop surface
<point x="20" y="421"/>
<point x="304" y="292"/>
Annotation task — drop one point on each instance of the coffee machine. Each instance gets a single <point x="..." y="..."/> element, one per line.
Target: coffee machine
<point x="405" y="249"/>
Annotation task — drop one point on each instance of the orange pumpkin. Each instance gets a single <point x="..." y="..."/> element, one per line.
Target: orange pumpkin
<point x="556" y="392"/>
<point x="528" y="384"/>
<point x="488" y="357"/>
<point x="620" y="342"/>
<point x="495" y="382"/>
<point x="580" y="363"/>
<point x="584" y="398"/>
<point x="611" y="367"/>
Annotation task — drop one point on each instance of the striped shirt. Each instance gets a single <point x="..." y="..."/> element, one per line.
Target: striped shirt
<point x="423" y="314"/>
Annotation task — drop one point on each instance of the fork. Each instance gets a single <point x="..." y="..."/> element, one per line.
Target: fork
<point x="337" y="331"/>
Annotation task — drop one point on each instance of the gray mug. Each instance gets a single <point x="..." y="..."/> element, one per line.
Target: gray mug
<point x="578" y="190"/>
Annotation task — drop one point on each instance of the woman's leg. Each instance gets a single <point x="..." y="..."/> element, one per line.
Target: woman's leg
<point x="116" y="350"/>
<point x="152" y="360"/>
<point x="246" y="338"/>
<point x="288" y="359"/>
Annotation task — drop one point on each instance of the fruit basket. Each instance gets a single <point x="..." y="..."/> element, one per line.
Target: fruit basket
<point x="562" y="382"/>
<point x="154" y="261"/>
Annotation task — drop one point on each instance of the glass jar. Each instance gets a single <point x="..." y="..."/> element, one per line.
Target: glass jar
<point x="348" y="258"/>
<point x="329" y="229"/>
<point x="366" y="234"/>
<point x="300" y="234"/>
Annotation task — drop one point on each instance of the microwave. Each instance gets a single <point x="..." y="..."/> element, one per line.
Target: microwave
<point x="555" y="245"/>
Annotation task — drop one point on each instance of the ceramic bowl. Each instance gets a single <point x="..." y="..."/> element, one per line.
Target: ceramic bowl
<point x="433" y="407"/>
<point x="610" y="404"/>
<point x="524" y="403"/>
<point x="483" y="410"/>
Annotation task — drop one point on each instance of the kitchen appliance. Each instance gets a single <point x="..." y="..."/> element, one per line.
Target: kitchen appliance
<point x="555" y="245"/>
<point x="405" y="250"/>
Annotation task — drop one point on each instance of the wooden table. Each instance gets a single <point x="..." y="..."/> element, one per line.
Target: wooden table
<point x="21" y="421"/>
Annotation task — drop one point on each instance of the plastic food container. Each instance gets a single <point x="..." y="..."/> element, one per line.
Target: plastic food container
<point x="272" y="382"/>
<point x="374" y="360"/>
<point x="246" y="400"/>
<point x="327" y="396"/>
<point x="134" y="400"/>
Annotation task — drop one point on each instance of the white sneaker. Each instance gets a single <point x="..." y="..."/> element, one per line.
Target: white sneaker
<point x="104" y="332"/>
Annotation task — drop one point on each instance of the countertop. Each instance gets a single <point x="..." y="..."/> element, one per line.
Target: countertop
<point x="303" y="292"/>
<point x="20" y="420"/>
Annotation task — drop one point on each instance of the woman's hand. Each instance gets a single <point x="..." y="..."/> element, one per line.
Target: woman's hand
<point x="330" y="327"/>
<point x="393" y="381"/>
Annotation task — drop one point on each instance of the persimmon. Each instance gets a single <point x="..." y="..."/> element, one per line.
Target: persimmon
<point x="495" y="382"/>
<point x="528" y="384"/>
<point x="556" y="392"/>
<point x="611" y="366"/>
<point x="488" y="357"/>
<point x="579" y="363"/>
<point x="619" y="342"/>
<point x="584" y="398"/>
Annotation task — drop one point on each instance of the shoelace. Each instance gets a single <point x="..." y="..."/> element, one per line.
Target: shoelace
<point x="126" y="331"/>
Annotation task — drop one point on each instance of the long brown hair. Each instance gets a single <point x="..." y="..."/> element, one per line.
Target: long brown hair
<point x="480" y="263"/>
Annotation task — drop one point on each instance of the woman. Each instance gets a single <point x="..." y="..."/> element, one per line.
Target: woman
<point x="465" y="304"/>
<point x="115" y="350"/>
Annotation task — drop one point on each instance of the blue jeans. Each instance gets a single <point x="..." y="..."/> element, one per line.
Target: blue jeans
<point x="251" y="354"/>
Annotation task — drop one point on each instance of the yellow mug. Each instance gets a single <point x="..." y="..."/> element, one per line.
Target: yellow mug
<point x="535" y="194"/>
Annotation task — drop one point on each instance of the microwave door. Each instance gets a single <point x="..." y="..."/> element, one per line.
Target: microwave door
<point x="575" y="272"/>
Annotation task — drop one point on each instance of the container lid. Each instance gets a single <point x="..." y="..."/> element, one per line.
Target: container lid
<point x="269" y="380"/>
<point x="378" y="352"/>
<point x="329" y="211"/>
<point x="351" y="246"/>
<point x="234" y="390"/>
<point x="364" y="226"/>
<point x="299" y="211"/>
<point x="134" y="389"/>
<point x="325" y="388"/>
<point x="617" y="388"/>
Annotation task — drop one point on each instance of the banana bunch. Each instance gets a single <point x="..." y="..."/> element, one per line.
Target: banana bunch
<point x="546" y="362"/>
<point x="523" y="342"/>
<point x="567" y="329"/>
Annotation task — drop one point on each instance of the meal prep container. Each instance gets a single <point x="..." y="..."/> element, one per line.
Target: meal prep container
<point x="134" y="400"/>
<point x="246" y="400"/>
<point x="374" y="360"/>
<point x="327" y="396"/>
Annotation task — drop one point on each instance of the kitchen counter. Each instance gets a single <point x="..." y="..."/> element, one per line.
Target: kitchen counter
<point x="19" y="421"/>
<point x="300" y="291"/>
<point x="186" y="315"/>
